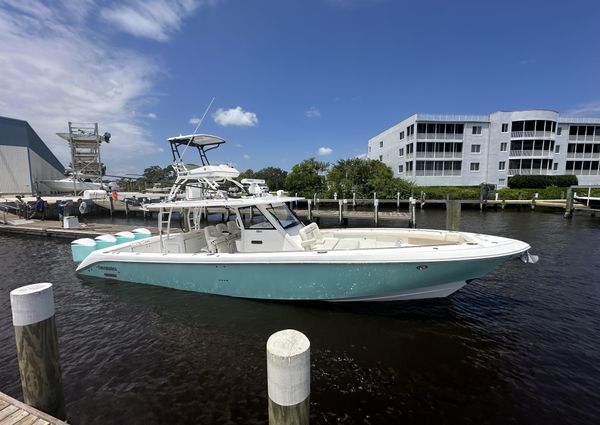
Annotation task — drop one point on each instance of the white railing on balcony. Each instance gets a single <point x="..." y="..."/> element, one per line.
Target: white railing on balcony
<point x="439" y="155"/>
<point x="439" y="136"/>
<point x="438" y="173"/>
<point x="528" y="153"/>
<point x="410" y="155"/>
<point x="583" y="172"/>
<point x="515" y="171"/>
<point x="594" y="155"/>
<point x="528" y="134"/>
<point x="408" y="173"/>
<point x="410" y="137"/>
<point x="584" y="138"/>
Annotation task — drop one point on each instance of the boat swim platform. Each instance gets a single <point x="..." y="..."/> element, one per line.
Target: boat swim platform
<point x="14" y="412"/>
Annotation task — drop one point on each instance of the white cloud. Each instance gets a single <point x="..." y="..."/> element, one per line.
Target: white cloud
<point x="361" y="156"/>
<point x="238" y="145"/>
<point x="194" y="120"/>
<point x="589" y="109"/>
<point x="324" y="151"/>
<point x="56" y="69"/>
<point x="235" y="116"/>
<point x="246" y="156"/>
<point x="312" y="112"/>
<point x="154" y="19"/>
<point x="151" y="115"/>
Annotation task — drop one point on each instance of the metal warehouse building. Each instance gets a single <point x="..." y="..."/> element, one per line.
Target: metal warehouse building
<point x="24" y="158"/>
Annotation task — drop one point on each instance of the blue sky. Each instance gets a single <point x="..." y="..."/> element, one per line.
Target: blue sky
<point x="292" y="79"/>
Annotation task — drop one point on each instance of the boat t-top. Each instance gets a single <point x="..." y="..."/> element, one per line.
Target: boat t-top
<point x="262" y="250"/>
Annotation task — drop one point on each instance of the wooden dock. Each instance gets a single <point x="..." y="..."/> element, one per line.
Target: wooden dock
<point x="14" y="412"/>
<point x="53" y="228"/>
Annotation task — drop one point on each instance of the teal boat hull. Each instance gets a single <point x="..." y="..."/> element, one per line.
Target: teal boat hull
<point x="303" y="281"/>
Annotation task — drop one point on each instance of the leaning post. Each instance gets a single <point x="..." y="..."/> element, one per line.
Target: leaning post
<point x="37" y="348"/>
<point x="569" y="203"/>
<point x="288" y="378"/>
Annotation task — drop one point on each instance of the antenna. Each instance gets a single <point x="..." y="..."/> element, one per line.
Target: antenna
<point x="199" y="124"/>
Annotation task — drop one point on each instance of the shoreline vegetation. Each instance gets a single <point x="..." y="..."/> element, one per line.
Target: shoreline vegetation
<point x="365" y="177"/>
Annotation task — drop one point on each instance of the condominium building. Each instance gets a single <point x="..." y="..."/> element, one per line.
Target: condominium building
<point x="462" y="150"/>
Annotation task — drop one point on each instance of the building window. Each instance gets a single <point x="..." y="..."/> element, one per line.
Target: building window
<point x="475" y="148"/>
<point x="559" y="131"/>
<point x="501" y="182"/>
<point x="505" y="127"/>
<point x="401" y="135"/>
<point x="381" y="158"/>
<point x="555" y="166"/>
<point x="381" y="144"/>
<point x="401" y="152"/>
<point x="400" y="168"/>
<point x="476" y="129"/>
<point x="557" y="149"/>
<point x="474" y="166"/>
<point x="369" y="148"/>
<point x="503" y="147"/>
<point x="502" y="165"/>
<point x="410" y="130"/>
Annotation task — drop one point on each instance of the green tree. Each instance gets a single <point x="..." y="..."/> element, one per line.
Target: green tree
<point x="306" y="178"/>
<point x="364" y="177"/>
<point x="248" y="174"/>
<point x="274" y="177"/>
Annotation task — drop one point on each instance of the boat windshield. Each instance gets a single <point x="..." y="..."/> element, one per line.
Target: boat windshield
<point x="283" y="215"/>
<point x="252" y="218"/>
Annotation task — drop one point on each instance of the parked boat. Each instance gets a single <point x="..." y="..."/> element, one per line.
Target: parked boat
<point x="264" y="251"/>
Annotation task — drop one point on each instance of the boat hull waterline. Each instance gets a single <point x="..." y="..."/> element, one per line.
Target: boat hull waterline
<point x="351" y="281"/>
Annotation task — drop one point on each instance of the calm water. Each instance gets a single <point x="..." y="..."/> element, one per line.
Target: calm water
<point x="521" y="345"/>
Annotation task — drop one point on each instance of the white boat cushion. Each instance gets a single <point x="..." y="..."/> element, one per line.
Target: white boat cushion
<point x="233" y="228"/>
<point x="311" y="232"/>
<point x="222" y="228"/>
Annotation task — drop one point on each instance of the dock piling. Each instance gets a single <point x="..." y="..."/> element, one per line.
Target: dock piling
<point x="453" y="210"/>
<point x="309" y="210"/>
<point x="341" y="216"/>
<point x="376" y="211"/>
<point x="288" y="378"/>
<point x="37" y="348"/>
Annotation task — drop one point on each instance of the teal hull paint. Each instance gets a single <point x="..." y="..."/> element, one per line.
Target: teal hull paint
<point x="303" y="281"/>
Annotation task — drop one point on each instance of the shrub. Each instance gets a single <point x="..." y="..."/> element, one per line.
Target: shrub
<point x="541" y="182"/>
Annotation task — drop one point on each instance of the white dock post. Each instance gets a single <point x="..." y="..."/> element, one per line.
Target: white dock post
<point x="376" y="211"/>
<point x="309" y="210"/>
<point x="37" y="348"/>
<point x="341" y="218"/>
<point x="397" y="199"/>
<point x="353" y="199"/>
<point x="288" y="378"/>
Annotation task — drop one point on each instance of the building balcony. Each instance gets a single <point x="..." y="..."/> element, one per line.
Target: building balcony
<point x="439" y="136"/>
<point x="440" y="173"/>
<point x="409" y="156"/>
<point x="437" y="155"/>
<point x="583" y="172"/>
<point x="515" y="171"/>
<point x="583" y="138"/>
<point x="582" y="155"/>
<point x="531" y="153"/>
<point x="532" y="134"/>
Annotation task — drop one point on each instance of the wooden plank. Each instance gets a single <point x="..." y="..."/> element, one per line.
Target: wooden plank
<point x="3" y="404"/>
<point x="14" y="405"/>
<point x="14" y="418"/>
<point x="7" y="411"/>
<point x="28" y="420"/>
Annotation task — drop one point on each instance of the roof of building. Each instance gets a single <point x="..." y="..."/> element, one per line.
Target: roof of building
<point x="14" y="132"/>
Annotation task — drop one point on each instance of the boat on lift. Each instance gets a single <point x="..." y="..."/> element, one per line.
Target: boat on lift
<point x="263" y="251"/>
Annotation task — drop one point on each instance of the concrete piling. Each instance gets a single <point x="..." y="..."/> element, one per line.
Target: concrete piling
<point x="37" y="348"/>
<point x="288" y="378"/>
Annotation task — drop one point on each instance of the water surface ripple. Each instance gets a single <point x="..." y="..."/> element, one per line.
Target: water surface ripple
<point x="518" y="346"/>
